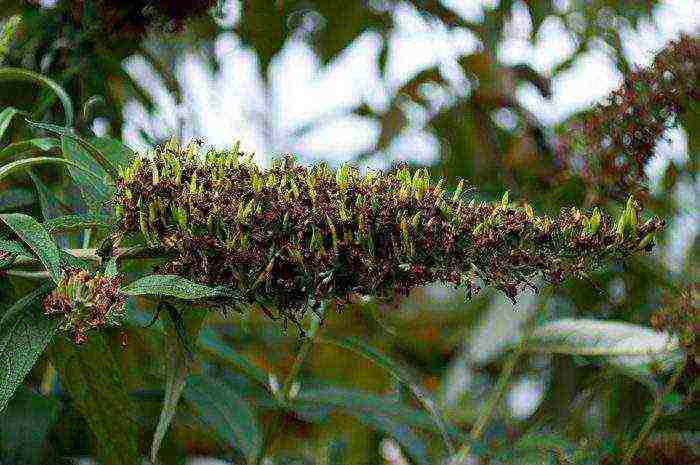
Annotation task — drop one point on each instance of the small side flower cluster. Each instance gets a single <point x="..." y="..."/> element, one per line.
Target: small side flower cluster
<point x="610" y="147"/>
<point x="681" y="316"/>
<point x="291" y="236"/>
<point x="86" y="302"/>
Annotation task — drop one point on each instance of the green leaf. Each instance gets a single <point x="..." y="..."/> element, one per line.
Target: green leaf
<point x="380" y="413"/>
<point x="173" y="286"/>
<point x="20" y="165"/>
<point x="93" y="379"/>
<point x="15" y="198"/>
<point x="43" y="144"/>
<point x="93" y="186"/>
<point x="226" y="413"/>
<point x="104" y="162"/>
<point x="117" y="153"/>
<point x="401" y="373"/>
<point x="36" y="237"/>
<point x="178" y="362"/>
<point x="7" y="74"/>
<point x="210" y="345"/>
<point x="24" y="334"/>
<point x="5" y="118"/>
<point x="68" y="223"/>
<point x="50" y="207"/>
<point x="24" y="426"/>
<point x="348" y="400"/>
<point x="599" y="337"/>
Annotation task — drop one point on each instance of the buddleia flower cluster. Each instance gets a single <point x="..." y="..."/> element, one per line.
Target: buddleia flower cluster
<point x="681" y="316"/>
<point x="291" y="236"/>
<point x="85" y="302"/>
<point x="610" y="146"/>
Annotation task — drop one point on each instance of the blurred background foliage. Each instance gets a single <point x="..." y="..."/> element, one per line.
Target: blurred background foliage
<point x="139" y="72"/>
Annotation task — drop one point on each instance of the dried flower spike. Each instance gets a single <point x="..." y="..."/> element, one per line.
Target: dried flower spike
<point x="291" y="236"/>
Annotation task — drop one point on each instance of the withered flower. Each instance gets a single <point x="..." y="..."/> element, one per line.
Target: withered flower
<point x="86" y="302"/>
<point x="610" y="146"/>
<point x="291" y="236"/>
<point x="681" y="316"/>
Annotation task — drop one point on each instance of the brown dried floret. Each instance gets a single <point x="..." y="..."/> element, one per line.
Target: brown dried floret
<point x="86" y="302"/>
<point x="291" y="236"/>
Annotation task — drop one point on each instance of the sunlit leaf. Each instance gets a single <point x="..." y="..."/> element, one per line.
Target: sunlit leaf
<point x="5" y="118"/>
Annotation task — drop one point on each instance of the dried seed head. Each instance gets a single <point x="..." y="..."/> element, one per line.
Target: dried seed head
<point x="85" y="302"/>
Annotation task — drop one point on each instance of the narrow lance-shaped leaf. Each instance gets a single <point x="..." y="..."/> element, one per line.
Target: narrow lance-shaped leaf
<point x="220" y="407"/>
<point x="173" y="286"/>
<point x="93" y="186"/>
<point x="400" y="373"/>
<point x="598" y="337"/>
<point x="26" y="75"/>
<point x="38" y="240"/>
<point x="104" y="162"/>
<point x="76" y="222"/>
<point x="24" y="334"/>
<point x="181" y="333"/>
<point x="23" y="147"/>
<point x="20" y="165"/>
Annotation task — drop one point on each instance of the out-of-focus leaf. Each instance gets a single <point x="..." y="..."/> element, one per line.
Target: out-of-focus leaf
<point x="24" y="334"/>
<point x="92" y="377"/>
<point x="36" y="237"/>
<point x="178" y="361"/>
<point x="402" y="433"/>
<point x="76" y="222"/>
<point x="5" y="118"/>
<point x="599" y="337"/>
<point x="226" y="413"/>
<point x="173" y="286"/>
<point x="50" y="207"/>
<point x="15" y="198"/>
<point x="7" y="74"/>
<point x="24" y="425"/>
<point x="337" y="452"/>
<point x="639" y="352"/>
<point x="346" y="400"/>
<point x="402" y="374"/>
<point x="98" y="190"/>
<point x="210" y="345"/>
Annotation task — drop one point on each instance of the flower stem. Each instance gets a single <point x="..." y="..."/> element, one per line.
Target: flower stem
<point x="655" y="414"/>
<point x="496" y="394"/>
<point x="283" y="396"/>
<point x="489" y="408"/>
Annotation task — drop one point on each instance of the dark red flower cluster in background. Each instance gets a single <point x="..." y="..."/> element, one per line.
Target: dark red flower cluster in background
<point x="610" y="146"/>
<point x="681" y="316"/>
<point x="291" y="236"/>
